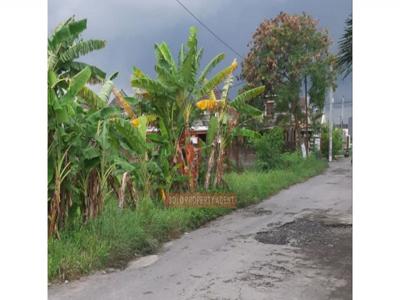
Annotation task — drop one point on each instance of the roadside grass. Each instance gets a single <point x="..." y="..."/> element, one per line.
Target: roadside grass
<point x="117" y="236"/>
<point x="251" y="186"/>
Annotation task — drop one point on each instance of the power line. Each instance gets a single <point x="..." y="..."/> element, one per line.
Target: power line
<point x="209" y="29"/>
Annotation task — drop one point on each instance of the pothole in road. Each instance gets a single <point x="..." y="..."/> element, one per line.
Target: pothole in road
<point x="303" y="233"/>
<point x="262" y="211"/>
<point x="324" y="240"/>
<point x="339" y="171"/>
<point x="258" y="212"/>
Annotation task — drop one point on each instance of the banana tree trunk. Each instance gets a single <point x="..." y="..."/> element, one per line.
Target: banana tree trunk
<point x="210" y="164"/>
<point x="93" y="196"/>
<point x="55" y="208"/>
<point x="121" y="192"/>
<point x="220" y="165"/>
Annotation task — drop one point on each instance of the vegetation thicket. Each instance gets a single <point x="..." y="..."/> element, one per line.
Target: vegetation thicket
<point x="111" y="166"/>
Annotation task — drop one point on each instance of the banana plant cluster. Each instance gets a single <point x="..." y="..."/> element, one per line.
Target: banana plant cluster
<point x="140" y="147"/>
<point x="224" y="125"/>
<point x="87" y="148"/>
<point x="173" y="95"/>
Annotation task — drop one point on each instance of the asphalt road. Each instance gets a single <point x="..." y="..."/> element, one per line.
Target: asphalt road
<point x="294" y="245"/>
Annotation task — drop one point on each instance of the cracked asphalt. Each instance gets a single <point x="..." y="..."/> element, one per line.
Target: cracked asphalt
<point x="294" y="245"/>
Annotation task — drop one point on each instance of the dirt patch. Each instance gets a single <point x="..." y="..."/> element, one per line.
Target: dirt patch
<point x="326" y="243"/>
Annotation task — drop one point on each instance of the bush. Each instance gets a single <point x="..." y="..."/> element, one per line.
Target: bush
<point x="291" y="159"/>
<point x="269" y="148"/>
<point x="337" y="142"/>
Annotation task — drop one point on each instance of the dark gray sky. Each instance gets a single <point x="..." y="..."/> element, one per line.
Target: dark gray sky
<point x="131" y="27"/>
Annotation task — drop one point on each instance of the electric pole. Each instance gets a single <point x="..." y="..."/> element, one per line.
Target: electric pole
<point x="306" y="105"/>
<point x="330" y="121"/>
<point x="341" y="114"/>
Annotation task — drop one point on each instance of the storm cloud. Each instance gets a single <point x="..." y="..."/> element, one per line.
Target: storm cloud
<point x="131" y="28"/>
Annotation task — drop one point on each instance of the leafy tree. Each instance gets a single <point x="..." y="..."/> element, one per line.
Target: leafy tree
<point x="345" y="55"/>
<point x="285" y="51"/>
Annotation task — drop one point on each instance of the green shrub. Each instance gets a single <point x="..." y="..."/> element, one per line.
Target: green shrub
<point x="337" y="142"/>
<point x="291" y="159"/>
<point x="269" y="148"/>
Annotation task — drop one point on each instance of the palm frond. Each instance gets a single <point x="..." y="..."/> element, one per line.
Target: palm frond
<point x="192" y="39"/>
<point x="130" y="135"/>
<point x="250" y="110"/>
<point x="210" y="66"/>
<point x="181" y="55"/>
<point x="52" y="61"/>
<point x="91" y="97"/>
<point x="97" y="76"/>
<point x="165" y="75"/>
<point x="66" y="31"/>
<point x="345" y="55"/>
<point x="199" y="55"/>
<point x="228" y="83"/>
<point x="80" y="49"/>
<point x="190" y="64"/>
<point x="216" y="80"/>
<point x="164" y="56"/>
<point x="106" y="90"/>
<point x="155" y="88"/>
<point x="246" y="96"/>
<point x="77" y="83"/>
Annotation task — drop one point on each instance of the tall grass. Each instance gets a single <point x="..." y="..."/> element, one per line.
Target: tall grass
<point x="117" y="235"/>
<point x="252" y="186"/>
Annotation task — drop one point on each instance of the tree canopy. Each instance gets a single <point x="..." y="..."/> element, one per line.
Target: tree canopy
<point x="284" y="50"/>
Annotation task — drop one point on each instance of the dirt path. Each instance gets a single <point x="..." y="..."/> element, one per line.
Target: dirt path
<point x="295" y="245"/>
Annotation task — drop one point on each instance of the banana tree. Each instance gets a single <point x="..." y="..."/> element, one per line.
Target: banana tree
<point x="224" y="125"/>
<point x="61" y="110"/>
<point x="65" y="46"/>
<point x="78" y="149"/>
<point x="174" y="92"/>
<point x="139" y="154"/>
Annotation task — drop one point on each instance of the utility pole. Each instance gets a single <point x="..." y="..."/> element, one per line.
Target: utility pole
<point x="341" y="114"/>
<point x="306" y="105"/>
<point x="330" y="121"/>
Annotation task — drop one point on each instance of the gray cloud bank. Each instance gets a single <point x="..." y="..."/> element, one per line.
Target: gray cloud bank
<point x="132" y="27"/>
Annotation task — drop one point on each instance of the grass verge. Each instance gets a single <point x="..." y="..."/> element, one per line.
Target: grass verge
<point x="117" y="235"/>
